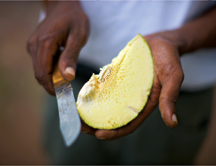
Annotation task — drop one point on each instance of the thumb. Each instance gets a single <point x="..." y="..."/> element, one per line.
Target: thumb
<point x="69" y="57"/>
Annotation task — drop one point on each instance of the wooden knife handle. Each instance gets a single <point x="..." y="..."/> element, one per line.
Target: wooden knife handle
<point x="57" y="77"/>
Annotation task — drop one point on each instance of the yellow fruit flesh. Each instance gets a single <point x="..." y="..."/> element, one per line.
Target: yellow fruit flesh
<point x="116" y="96"/>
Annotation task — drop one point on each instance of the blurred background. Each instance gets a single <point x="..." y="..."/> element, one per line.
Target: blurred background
<point x="21" y="97"/>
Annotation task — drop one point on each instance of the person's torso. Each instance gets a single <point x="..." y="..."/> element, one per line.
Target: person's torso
<point x="114" y="23"/>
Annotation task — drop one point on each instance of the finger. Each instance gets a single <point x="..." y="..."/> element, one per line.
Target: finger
<point x="69" y="57"/>
<point x="87" y="129"/>
<point x="32" y="46"/>
<point x="168" y="98"/>
<point x="133" y="125"/>
<point x="43" y="65"/>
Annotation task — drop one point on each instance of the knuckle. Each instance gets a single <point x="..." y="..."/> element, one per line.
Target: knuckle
<point x="70" y="57"/>
<point x="84" y="19"/>
<point x="178" y="75"/>
<point x="169" y="68"/>
<point x="181" y="76"/>
<point x="31" y="42"/>
<point x="153" y="99"/>
<point x="154" y="96"/>
<point x="85" y="29"/>
<point x="173" y="69"/>
<point x="84" y="34"/>
<point x="78" y="38"/>
<point x="46" y="40"/>
<point x="40" y="77"/>
<point x="81" y="30"/>
<point x="172" y="98"/>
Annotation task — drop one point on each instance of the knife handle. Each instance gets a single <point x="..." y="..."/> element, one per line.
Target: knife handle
<point x="57" y="77"/>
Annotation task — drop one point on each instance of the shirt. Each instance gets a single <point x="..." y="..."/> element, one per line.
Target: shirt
<point x="114" y="23"/>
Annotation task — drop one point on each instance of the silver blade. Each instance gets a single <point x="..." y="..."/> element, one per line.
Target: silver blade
<point x="69" y="118"/>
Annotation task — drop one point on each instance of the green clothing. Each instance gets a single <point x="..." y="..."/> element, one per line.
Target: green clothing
<point x="152" y="143"/>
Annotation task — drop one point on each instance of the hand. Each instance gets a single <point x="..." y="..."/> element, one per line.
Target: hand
<point x="65" y="25"/>
<point x="167" y="82"/>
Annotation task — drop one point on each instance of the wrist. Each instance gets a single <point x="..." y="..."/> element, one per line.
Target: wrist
<point x="49" y="5"/>
<point x="176" y="38"/>
<point x="62" y="6"/>
<point x="196" y="34"/>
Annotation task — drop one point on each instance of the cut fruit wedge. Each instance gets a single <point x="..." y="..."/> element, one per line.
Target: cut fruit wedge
<point x="120" y="91"/>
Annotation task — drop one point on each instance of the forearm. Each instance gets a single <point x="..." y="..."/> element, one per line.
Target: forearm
<point x="65" y="5"/>
<point x="196" y="34"/>
<point x="199" y="33"/>
<point x="49" y="5"/>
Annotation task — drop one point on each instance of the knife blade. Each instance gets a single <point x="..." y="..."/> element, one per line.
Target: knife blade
<point x="70" y="124"/>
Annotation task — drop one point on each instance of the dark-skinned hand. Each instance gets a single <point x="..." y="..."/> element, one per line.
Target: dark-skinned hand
<point x="65" y="25"/>
<point x="166" y="48"/>
<point x="166" y="86"/>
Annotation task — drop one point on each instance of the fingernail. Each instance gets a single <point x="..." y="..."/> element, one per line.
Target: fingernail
<point x="174" y="118"/>
<point x="70" y="71"/>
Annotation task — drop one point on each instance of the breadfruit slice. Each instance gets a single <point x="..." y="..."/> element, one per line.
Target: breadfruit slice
<point x="119" y="92"/>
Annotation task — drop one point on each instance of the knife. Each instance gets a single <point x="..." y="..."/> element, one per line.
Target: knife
<point x="70" y="124"/>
